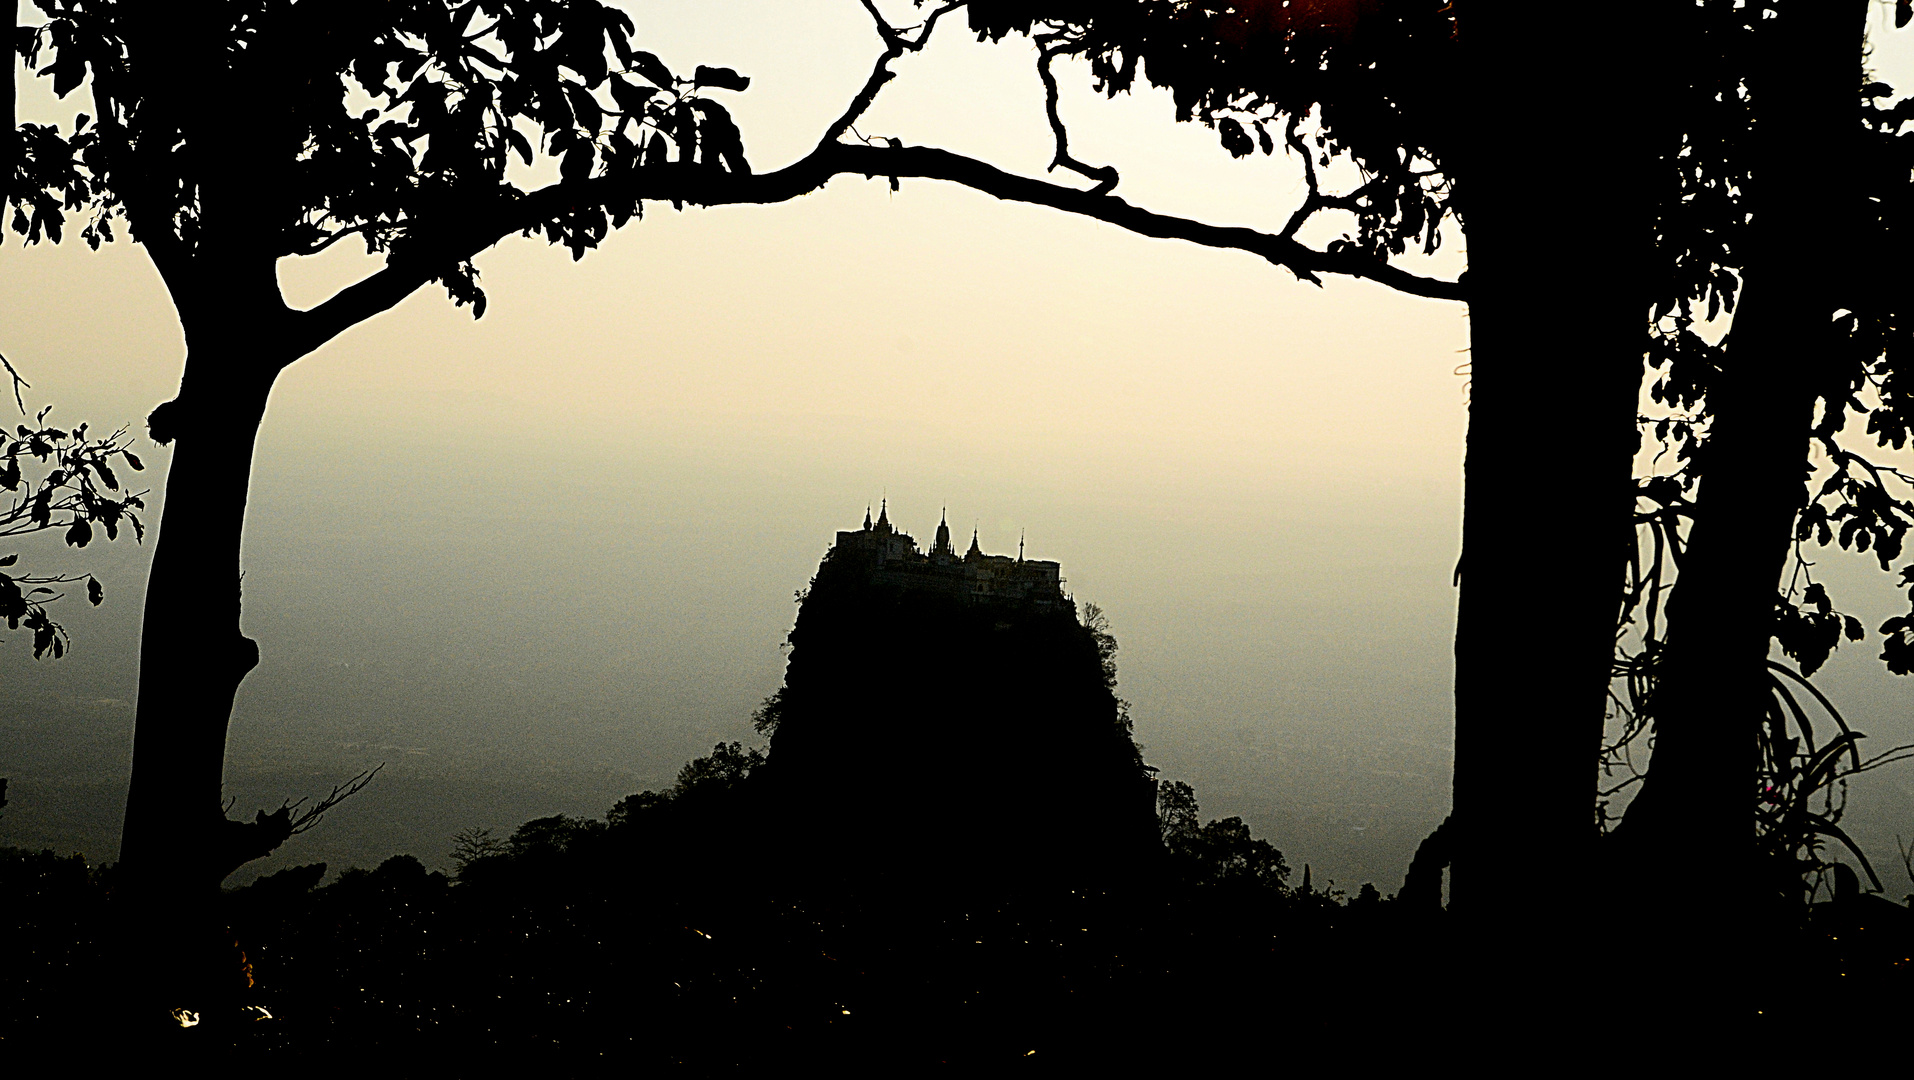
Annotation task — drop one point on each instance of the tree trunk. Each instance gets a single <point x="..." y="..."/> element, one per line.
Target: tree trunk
<point x="178" y="845"/>
<point x="1691" y="825"/>
<point x="9" y="135"/>
<point x="1556" y="351"/>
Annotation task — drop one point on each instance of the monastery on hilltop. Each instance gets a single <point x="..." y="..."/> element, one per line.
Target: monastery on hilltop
<point x="893" y="559"/>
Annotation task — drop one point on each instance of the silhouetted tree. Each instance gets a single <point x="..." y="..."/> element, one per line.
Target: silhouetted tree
<point x="1417" y="95"/>
<point x="1692" y="207"/>
<point x="1222" y="853"/>
<point x="471" y="845"/>
<point x="1800" y="68"/>
<point x="218" y="195"/>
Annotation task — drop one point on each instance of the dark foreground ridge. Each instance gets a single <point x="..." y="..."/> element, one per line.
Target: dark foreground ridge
<point x="668" y="934"/>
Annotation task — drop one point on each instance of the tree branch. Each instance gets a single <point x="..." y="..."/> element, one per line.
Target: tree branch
<point x="1104" y="175"/>
<point x="701" y="187"/>
<point x="305" y="819"/>
<point x="18" y="382"/>
<point x="1306" y="263"/>
<point x="895" y="45"/>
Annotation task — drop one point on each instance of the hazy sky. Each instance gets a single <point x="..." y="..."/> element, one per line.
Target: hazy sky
<point x="535" y="562"/>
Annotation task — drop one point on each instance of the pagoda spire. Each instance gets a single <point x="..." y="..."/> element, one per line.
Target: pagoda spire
<point x="884" y="514"/>
<point x="942" y="546"/>
<point x="975" y="552"/>
<point x="867" y="517"/>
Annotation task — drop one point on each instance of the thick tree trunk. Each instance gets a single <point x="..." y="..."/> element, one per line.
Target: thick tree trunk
<point x="177" y="844"/>
<point x="1555" y="372"/>
<point x="1691" y="826"/>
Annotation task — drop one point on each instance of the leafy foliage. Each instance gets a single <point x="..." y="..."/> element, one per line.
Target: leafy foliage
<point x="725" y="768"/>
<point x="1795" y="768"/>
<point x="1222" y="853"/>
<point x="1359" y="73"/>
<point x="391" y="123"/>
<point x="63" y="480"/>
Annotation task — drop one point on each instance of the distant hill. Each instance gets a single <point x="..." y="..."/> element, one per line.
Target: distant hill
<point x="951" y="716"/>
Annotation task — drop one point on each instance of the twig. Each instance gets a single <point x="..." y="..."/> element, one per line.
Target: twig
<point x="340" y="793"/>
<point x="18" y="383"/>
<point x="896" y="44"/>
<point x="1048" y="46"/>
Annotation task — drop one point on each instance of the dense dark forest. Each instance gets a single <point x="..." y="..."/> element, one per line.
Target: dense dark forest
<point x="666" y="934"/>
<point x="670" y="932"/>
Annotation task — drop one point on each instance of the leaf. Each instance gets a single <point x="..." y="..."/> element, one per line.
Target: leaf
<point x="720" y="77"/>
<point x="585" y="54"/>
<point x="585" y="107"/>
<point x="1853" y="628"/>
<point x="576" y="165"/>
<point x="79" y="534"/>
<point x="1235" y="139"/>
<point x="67" y="74"/>
<point x="9" y="560"/>
<point x="723" y="143"/>
<point x="653" y="69"/>
<point x="517" y="141"/>
<point x="630" y="97"/>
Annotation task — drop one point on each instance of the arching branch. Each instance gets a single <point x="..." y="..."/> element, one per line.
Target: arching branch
<point x="399" y="279"/>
